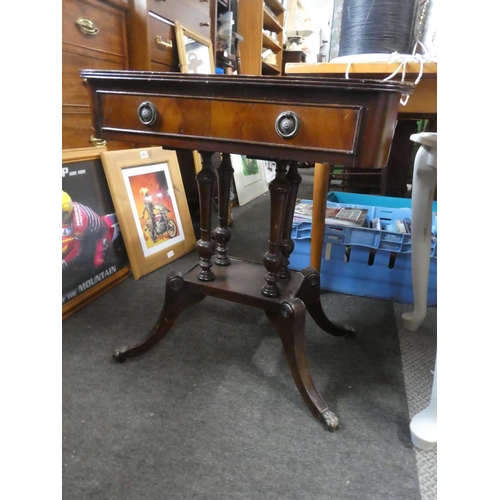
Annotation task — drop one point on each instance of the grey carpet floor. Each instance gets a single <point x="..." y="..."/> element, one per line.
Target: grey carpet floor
<point x="212" y="411"/>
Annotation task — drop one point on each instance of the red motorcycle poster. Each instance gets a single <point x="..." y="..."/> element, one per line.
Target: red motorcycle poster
<point x="93" y="251"/>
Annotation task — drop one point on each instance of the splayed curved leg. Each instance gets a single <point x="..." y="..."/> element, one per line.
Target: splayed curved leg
<point x="177" y="298"/>
<point x="310" y="293"/>
<point x="290" y="325"/>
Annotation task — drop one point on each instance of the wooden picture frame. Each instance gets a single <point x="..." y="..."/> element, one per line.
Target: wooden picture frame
<point x="195" y="51"/>
<point x="148" y="193"/>
<point x="93" y="250"/>
<point x="249" y="178"/>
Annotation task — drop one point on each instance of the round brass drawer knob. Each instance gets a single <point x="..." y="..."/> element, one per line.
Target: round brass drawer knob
<point x="147" y="113"/>
<point x="287" y="125"/>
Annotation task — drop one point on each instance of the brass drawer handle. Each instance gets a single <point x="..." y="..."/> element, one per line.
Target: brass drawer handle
<point x="147" y="113"/>
<point x="287" y="125"/>
<point x="95" y="141"/>
<point x="160" y="41"/>
<point x="87" y="27"/>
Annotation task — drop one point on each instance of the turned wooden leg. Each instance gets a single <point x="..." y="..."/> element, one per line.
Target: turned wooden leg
<point x="287" y="244"/>
<point x="290" y="325"/>
<point x="279" y="189"/>
<point x="320" y="198"/>
<point x="205" y="246"/>
<point x="176" y="300"/>
<point x="223" y="233"/>
<point x="309" y="293"/>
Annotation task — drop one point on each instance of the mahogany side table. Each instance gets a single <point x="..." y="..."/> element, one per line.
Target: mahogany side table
<point x="288" y="120"/>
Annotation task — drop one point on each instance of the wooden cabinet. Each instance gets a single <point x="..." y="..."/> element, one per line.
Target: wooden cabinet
<point x="93" y="37"/>
<point x="258" y="20"/>
<point x="151" y="31"/>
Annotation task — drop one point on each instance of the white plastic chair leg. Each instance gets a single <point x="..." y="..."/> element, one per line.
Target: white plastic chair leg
<point x="424" y="184"/>
<point x="423" y="426"/>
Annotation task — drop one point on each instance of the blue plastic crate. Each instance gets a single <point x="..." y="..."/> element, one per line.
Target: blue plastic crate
<point x="373" y="200"/>
<point x="364" y="261"/>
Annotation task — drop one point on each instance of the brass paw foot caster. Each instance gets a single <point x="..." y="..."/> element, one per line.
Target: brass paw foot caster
<point x="120" y="355"/>
<point x="330" y="419"/>
<point x="348" y="331"/>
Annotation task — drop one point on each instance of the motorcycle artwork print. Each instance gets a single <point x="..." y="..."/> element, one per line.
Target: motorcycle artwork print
<point x="156" y="213"/>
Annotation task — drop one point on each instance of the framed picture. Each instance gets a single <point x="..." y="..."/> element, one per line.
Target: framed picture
<point x="196" y="54"/>
<point x="249" y="178"/>
<point x="94" y="256"/>
<point x="148" y="193"/>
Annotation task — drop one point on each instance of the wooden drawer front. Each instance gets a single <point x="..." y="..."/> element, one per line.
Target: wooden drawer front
<point x="110" y="23"/>
<point x="73" y="88"/>
<point x="333" y="128"/>
<point x="158" y="52"/>
<point x="194" y="14"/>
<point x="163" y="67"/>
<point x="77" y="130"/>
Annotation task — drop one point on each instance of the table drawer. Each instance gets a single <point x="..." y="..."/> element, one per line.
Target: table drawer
<point x="103" y="27"/>
<point x="323" y="127"/>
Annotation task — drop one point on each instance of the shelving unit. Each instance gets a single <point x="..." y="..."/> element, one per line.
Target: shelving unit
<point x="255" y="16"/>
<point x="229" y="58"/>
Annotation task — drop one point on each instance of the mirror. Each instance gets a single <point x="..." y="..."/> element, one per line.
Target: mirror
<point x="195" y="51"/>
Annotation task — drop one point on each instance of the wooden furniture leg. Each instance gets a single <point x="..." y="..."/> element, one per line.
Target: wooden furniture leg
<point x="287" y="244"/>
<point x="279" y="189"/>
<point x="177" y="298"/>
<point x="310" y="289"/>
<point x="290" y="325"/>
<point x="309" y="293"/>
<point x="222" y="233"/>
<point x="320" y="193"/>
<point x="205" y="179"/>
